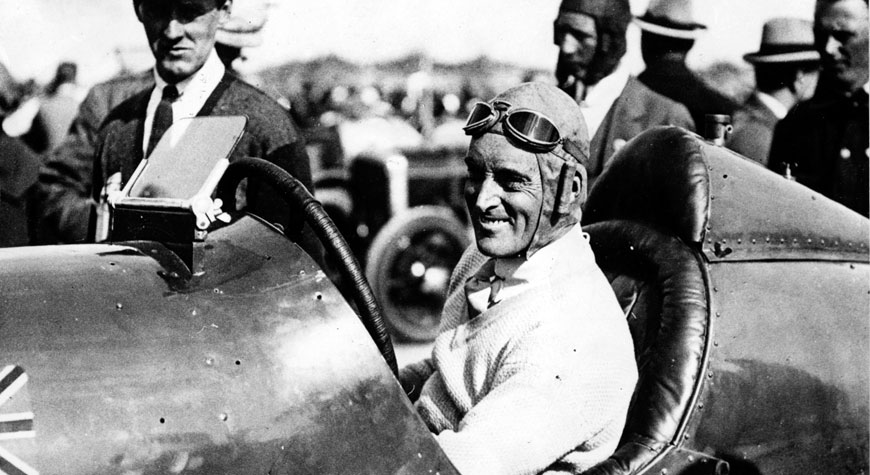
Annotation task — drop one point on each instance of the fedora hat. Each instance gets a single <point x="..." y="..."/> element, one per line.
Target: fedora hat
<point x="671" y="18"/>
<point x="785" y="40"/>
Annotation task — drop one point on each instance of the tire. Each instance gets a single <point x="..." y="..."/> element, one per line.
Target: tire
<point x="408" y="266"/>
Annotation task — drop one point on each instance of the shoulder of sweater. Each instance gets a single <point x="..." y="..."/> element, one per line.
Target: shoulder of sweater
<point x="468" y="264"/>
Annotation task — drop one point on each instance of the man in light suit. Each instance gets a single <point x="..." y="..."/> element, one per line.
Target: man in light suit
<point x="591" y="38"/>
<point x="786" y="73"/>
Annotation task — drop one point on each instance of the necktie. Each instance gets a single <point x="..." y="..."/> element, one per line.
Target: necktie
<point x="481" y="290"/>
<point x="162" y="117"/>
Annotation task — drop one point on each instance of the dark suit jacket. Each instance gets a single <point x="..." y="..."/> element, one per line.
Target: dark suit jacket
<point x="753" y="130"/>
<point x="635" y="110"/>
<point x="18" y="172"/>
<point x="270" y="134"/>
<point x="826" y="145"/>
<point x="674" y="80"/>
<point x="64" y="192"/>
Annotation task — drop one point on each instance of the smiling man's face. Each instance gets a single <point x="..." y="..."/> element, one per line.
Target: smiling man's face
<point x="504" y="195"/>
<point x="181" y="33"/>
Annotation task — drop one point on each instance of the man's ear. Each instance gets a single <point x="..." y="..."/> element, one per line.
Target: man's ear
<point x="579" y="185"/>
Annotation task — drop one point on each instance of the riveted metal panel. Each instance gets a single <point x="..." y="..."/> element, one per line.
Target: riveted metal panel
<point x="254" y="365"/>
<point x="787" y="382"/>
<point x="756" y="214"/>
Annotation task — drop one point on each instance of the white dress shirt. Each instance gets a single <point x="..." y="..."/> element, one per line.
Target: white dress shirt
<point x="601" y="96"/>
<point x="772" y="103"/>
<point x="193" y="92"/>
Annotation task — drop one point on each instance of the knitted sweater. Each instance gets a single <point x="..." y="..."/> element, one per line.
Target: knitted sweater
<point x="542" y="376"/>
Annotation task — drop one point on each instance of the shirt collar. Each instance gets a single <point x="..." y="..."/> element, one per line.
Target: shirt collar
<point x="519" y="270"/>
<point x="205" y="79"/>
<point x="609" y="88"/>
<point x="778" y="108"/>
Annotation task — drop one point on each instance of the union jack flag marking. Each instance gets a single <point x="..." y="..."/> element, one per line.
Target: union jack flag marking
<point x="17" y="425"/>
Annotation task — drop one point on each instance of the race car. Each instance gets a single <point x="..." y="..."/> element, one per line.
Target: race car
<point x="198" y="339"/>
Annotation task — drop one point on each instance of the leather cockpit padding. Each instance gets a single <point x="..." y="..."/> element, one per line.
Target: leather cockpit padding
<point x="658" y="177"/>
<point x="670" y="310"/>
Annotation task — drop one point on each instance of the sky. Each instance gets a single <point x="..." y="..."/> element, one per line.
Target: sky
<point x="35" y="35"/>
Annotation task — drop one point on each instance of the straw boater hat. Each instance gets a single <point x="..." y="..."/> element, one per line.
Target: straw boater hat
<point x="243" y="28"/>
<point x="671" y="18"/>
<point x="785" y="40"/>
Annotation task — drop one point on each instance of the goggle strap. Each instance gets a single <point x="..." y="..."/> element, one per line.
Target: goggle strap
<point x="577" y="151"/>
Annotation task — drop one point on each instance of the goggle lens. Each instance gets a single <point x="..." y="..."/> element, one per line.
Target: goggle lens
<point x="534" y="127"/>
<point x="480" y="115"/>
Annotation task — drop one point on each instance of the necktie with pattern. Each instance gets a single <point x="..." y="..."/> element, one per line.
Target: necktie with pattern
<point x="162" y="116"/>
<point x="481" y="290"/>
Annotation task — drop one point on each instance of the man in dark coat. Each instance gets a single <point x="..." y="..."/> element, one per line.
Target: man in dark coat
<point x="182" y="38"/>
<point x="824" y="143"/>
<point x="786" y="73"/>
<point x="18" y="171"/>
<point x="590" y="35"/>
<point x="668" y="32"/>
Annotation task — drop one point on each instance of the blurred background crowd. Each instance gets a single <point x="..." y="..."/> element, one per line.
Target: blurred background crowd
<point x="415" y="67"/>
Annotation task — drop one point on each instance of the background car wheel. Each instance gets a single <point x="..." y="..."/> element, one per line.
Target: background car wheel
<point x="408" y="267"/>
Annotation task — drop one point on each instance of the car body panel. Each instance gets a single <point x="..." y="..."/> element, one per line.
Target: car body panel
<point x="788" y="401"/>
<point x="254" y="365"/>
<point x="749" y="220"/>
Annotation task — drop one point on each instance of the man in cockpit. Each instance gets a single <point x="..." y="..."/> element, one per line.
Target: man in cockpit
<point x="534" y="367"/>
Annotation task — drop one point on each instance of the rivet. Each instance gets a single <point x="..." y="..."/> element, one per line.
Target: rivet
<point x="809" y="241"/>
<point x="700" y="405"/>
<point x="739" y="241"/>
<point x="715" y="343"/>
<point x="718" y="314"/>
<point x="794" y="241"/>
<point x="782" y="240"/>
<point x="851" y="266"/>
<point x="710" y="374"/>
<point x="119" y="305"/>
<point x="302" y="272"/>
<point x="223" y="416"/>
<point x="822" y="242"/>
<point x="715" y="289"/>
<point x="664" y="471"/>
<point x="753" y="241"/>
<point x="686" y="436"/>
<point x="724" y="241"/>
<point x="767" y="239"/>
<point x="209" y="361"/>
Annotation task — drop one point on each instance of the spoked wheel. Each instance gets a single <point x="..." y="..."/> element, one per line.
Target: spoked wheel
<point x="409" y="265"/>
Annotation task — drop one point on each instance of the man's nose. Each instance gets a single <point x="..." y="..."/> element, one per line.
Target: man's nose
<point x="568" y="45"/>
<point x="174" y="27"/>
<point x="832" y="46"/>
<point x="488" y="195"/>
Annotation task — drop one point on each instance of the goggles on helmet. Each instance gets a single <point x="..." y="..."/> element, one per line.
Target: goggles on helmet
<point x="532" y="129"/>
